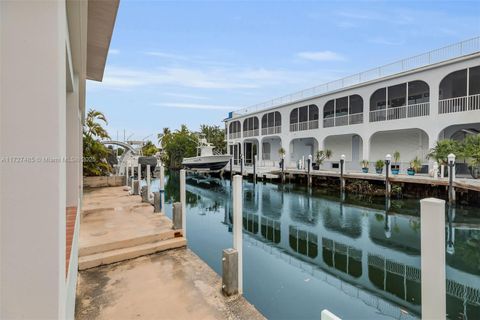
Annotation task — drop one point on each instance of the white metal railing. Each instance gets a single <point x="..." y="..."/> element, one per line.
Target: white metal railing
<point x="355" y="118"/>
<point x="250" y="133"/>
<point x="418" y="110"/>
<point x="305" y="125"/>
<point x="234" y="135"/>
<point x="459" y="104"/>
<point x="271" y="130"/>
<point x="328" y="122"/>
<point x="341" y="120"/>
<point x="442" y="54"/>
<point x="378" y="115"/>
<point x="410" y="111"/>
<point x="396" y="113"/>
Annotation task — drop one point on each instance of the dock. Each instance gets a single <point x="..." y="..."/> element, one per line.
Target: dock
<point x="134" y="265"/>
<point x="275" y="173"/>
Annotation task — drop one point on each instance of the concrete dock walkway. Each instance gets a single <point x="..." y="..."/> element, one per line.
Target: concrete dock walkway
<point x="131" y="273"/>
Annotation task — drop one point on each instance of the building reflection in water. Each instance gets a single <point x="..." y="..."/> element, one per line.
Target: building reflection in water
<point x="376" y="250"/>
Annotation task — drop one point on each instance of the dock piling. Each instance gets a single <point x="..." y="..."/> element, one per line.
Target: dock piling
<point x="231" y="169"/>
<point x="162" y="188"/>
<point x="283" y="169"/>
<point x="136" y="187"/>
<point x="156" y="202"/>
<point x="432" y="233"/>
<point x="451" y="178"/>
<point x="183" y="201"/>
<point x="237" y="226"/>
<point x="148" y="181"/>
<point x="255" y="169"/>
<point x="144" y="193"/>
<point x="342" y="169"/>
<point x="177" y="216"/>
<point x="388" y="187"/>
<point x="230" y="272"/>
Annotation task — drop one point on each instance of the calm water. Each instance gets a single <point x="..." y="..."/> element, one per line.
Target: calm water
<point x="307" y="251"/>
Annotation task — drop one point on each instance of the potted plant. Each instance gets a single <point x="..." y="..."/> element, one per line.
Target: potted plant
<point x="415" y="166"/>
<point x="364" y="164"/>
<point x="396" y="166"/>
<point x="379" y="166"/>
<point x="320" y="156"/>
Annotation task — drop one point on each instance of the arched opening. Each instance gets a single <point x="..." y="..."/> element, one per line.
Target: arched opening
<point x="404" y="100"/>
<point x="234" y="130"/>
<point x="304" y="118"/>
<point x="250" y="147"/>
<point x="250" y="127"/>
<point x="271" y="123"/>
<point x="413" y="144"/>
<point x="460" y="91"/>
<point x="343" y="111"/>
<point x="300" y="149"/>
<point x="350" y="145"/>
<point x="270" y="151"/>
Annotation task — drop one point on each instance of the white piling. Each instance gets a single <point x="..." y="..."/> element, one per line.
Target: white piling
<point x="183" y="201"/>
<point x="237" y="226"/>
<point x="327" y="315"/>
<point x="131" y="169"/>
<point x="148" y="181"/>
<point x="432" y="221"/>
<point x="139" y="172"/>
<point x="126" y="174"/>
<point x="162" y="188"/>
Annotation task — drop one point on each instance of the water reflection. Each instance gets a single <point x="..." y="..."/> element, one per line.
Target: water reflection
<point x="373" y="248"/>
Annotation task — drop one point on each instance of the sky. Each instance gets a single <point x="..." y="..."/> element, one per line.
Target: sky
<point x="191" y="62"/>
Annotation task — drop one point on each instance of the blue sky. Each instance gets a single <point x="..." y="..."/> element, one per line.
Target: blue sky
<point x="190" y="62"/>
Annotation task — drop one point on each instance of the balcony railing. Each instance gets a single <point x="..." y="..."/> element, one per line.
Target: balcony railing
<point x="250" y="133"/>
<point x="266" y="156"/>
<point x="410" y="111"/>
<point x="459" y="104"/>
<point x="305" y="125"/>
<point x="271" y="130"/>
<point x="234" y="135"/>
<point x="355" y="118"/>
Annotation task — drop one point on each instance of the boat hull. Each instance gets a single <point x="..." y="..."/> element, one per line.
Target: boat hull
<point x="212" y="163"/>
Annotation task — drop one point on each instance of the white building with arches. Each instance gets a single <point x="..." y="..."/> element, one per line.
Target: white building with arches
<point x="405" y="106"/>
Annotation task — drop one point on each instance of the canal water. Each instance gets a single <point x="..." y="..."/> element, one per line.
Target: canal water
<point x="305" y="251"/>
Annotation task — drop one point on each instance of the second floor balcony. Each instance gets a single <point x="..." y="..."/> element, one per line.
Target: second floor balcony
<point x="271" y="130"/>
<point x="250" y="133"/>
<point x="343" y="120"/>
<point x="459" y="104"/>
<point x="234" y="135"/>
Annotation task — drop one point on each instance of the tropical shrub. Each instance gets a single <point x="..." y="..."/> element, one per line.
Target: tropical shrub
<point x="95" y="154"/>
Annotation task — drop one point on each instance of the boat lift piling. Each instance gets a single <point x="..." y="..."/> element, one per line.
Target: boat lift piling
<point x="162" y="189"/>
<point x="183" y="201"/>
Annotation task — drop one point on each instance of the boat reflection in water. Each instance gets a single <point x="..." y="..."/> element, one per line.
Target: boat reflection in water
<point x="305" y="252"/>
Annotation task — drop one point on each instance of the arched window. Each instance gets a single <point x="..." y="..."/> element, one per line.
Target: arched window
<point x="454" y="85"/>
<point x="329" y="109"/>
<point x="250" y="127"/>
<point x="271" y="123"/>
<point x="304" y="118"/>
<point x="312" y="112"/>
<point x="356" y="104"/>
<point x="378" y="100"/>
<point x="418" y="92"/>
<point x="294" y="116"/>
<point x="234" y="129"/>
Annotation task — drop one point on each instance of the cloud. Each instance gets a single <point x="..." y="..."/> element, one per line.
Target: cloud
<point x="178" y="105"/>
<point x="320" y="56"/>
<point x="113" y="51"/>
<point x="185" y="96"/>
<point x="172" y="56"/>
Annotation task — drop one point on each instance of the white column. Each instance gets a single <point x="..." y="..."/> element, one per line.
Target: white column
<point x="366" y="148"/>
<point x="32" y="132"/>
<point x="162" y="189"/>
<point x="183" y="201"/>
<point x="237" y="226"/>
<point x="148" y="181"/>
<point x="432" y="221"/>
<point x="139" y="175"/>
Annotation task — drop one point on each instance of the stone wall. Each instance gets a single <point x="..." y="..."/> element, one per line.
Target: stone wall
<point x="103" y="181"/>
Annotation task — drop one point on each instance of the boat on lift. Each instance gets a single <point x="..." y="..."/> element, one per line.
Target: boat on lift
<point x="206" y="159"/>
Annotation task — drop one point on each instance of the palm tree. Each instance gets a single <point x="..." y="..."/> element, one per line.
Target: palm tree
<point x="92" y="127"/>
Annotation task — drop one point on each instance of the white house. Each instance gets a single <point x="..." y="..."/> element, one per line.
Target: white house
<point x="404" y="106"/>
<point x="47" y="51"/>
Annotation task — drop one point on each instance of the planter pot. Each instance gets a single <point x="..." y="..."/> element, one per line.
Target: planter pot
<point x="395" y="171"/>
<point x="411" y="172"/>
<point x="379" y="171"/>
<point x="365" y="170"/>
<point x="475" y="171"/>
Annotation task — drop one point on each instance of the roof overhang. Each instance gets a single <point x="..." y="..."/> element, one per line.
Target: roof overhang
<point x="101" y="20"/>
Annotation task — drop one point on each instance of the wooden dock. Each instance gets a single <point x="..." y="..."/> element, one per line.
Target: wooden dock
<point x="275" y="173"/>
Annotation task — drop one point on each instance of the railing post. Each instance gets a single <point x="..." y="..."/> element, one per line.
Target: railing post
<point x="432" y="222"/>
<point x="162" y="189"/>
<point x="183" y="201"/>
<point x="237" y="226"/>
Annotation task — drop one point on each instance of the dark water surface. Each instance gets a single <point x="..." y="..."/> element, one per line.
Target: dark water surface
<point x="305" y="251"/>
